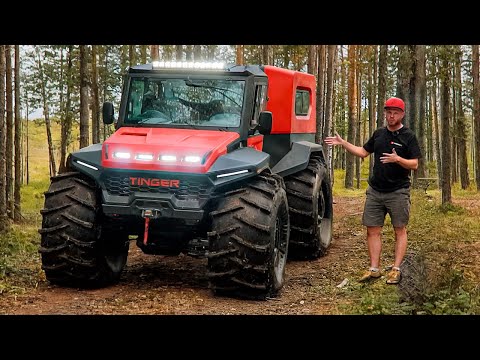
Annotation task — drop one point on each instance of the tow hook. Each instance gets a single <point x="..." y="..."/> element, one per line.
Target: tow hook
<point x="147" y="215"/>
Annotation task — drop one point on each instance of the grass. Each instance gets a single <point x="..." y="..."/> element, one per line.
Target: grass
<point x="448" y="238"/>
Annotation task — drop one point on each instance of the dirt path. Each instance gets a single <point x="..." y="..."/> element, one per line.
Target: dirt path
<point x="178" y="285"/>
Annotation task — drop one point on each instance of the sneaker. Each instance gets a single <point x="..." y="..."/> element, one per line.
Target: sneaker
<point x="370" y="275"/>
<point x="394" y="276"/>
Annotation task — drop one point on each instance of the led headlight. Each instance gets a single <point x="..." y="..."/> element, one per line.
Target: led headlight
<point x="167" y="158"/>
<point x="145" y="157"/>
<point x="121" y="155"/>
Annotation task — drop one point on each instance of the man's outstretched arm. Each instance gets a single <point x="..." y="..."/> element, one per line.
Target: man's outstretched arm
<point x="352" y="149"/>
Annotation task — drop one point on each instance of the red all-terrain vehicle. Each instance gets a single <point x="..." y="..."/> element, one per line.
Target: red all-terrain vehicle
<point x="206" y="160"/>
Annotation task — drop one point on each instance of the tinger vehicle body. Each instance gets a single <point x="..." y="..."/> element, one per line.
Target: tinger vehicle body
<point x="206" y="160"/>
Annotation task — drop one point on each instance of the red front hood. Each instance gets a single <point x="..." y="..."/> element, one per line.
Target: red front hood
<point x="207" y="144"/>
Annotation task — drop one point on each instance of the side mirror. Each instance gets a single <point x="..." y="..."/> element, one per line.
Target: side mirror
<point x="265" y="122"/>
<point x="107" y="113"/>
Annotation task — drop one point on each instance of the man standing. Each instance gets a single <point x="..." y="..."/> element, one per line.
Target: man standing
<point x="396" y="153"/>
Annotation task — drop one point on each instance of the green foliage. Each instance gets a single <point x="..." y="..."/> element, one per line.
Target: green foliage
<point x="451" y="297"/>
<point x="447" y="235"/>
<point x="17" y="249"/>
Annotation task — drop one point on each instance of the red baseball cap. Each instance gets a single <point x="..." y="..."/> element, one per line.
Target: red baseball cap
<point x="395" y="102"/>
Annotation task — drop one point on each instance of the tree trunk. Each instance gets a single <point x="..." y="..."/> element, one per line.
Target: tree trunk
<point x="211" y="52"/>
<point x="352" y="114"/>
<point x="382" y="84"/>
<point x="154" y="56"/>
<point x="327" y="130"/>
<point x="17" y="214"/>
<point x="435" y="125"/>
<point x="266" y="57"/>
<point x="178" y="52"/>
<point x="239" y="55"/>
<point x="420" y="100"/>
<point x="95" y="95"/>
<point x="67" y="122"/>
<point x="27" y="170"/>
<point x="445" y="119"/>
<point x="4" y="223"/>
<point x="189" y="53"/>
<point x="143" y="54"/>
<point x="132" y="56"/>
<point x="320" y="93"/>
<point x="461" y="124"/>
<point x="358" y="120"/>
<point x="9" y="142"/>
<point x="372" y="59"/>
<point x="476" y="110"/>
<point x="84" y="131"/>
<point x="341" y="154"/>
<point x="197" y="53"/>
<point x="311" y="59"/>
<point x="51" y="153"/>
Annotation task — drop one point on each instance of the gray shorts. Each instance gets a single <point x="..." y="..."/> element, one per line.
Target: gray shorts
<point x="378" y="204"/>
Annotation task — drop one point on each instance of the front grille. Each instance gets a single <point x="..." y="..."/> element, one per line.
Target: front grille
<point x="121" y="185"/>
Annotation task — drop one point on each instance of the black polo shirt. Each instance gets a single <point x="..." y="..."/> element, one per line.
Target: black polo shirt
<point x="390" y="177"/>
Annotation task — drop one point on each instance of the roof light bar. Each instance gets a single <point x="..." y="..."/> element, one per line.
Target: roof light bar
<point x="188" y="65"/>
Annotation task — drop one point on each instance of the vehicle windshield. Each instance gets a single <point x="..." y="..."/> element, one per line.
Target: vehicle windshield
<point x="185" y="102"/>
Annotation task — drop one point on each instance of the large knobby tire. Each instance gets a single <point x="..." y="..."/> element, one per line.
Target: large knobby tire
<point x="78" y="248"/>
<point x="413" y="284"/>
<point x="248" y="243"/>
<point x="310" y="203"/>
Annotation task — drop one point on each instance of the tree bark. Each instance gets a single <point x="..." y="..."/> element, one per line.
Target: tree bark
<point x="239" y="55"/>
<point x="352" y="114"/>
<point x="266" y="56"/>
<point x="197" y="53"/>
<point x="476" y="110"/>
<point x="51" y="153"/>
<point x="320" y="93"/>
<point x="143" y="54"/>
<point x="17" y="213"/>
<point x="154" y="56"/>
<point x="382" y="84"/>
<point x="67" y="122"/>
<point x="420" y="100"/>
<point x="9" y="131"/>
<point x="371" y="76"/>
<point x="84" y="128"/>
<point x="95" y="95"/>
<point x="189" y="53"/>
<point x="461" y="124"/>
<point x="4" y="222"/>
<point x="445" y="119"/>
<point x="178" y="52"/>
<point x="327" y="130"/>
<point x="132" y="56"/>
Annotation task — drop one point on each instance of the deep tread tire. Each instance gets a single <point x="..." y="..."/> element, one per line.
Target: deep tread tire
<point x="310" y="200"/>
<point x="77" y="247"/>
<point x="248" y="242"/>
<point x="413" y="284"/>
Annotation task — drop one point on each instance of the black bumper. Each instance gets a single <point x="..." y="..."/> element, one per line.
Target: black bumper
<point x="163" y="205"/>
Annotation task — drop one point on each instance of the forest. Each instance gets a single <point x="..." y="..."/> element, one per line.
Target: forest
<point x="61" y="88"/>
<point x="439" y="84"/>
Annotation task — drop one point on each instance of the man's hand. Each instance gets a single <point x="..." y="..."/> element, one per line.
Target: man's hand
<point x="390" y="158"/>
<point x="333" y="140"/>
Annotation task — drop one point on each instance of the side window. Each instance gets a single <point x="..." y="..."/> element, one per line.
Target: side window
<point x="260" y="103"/>
<point x="135" y="101"/>
<point x="302" y="102"/>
